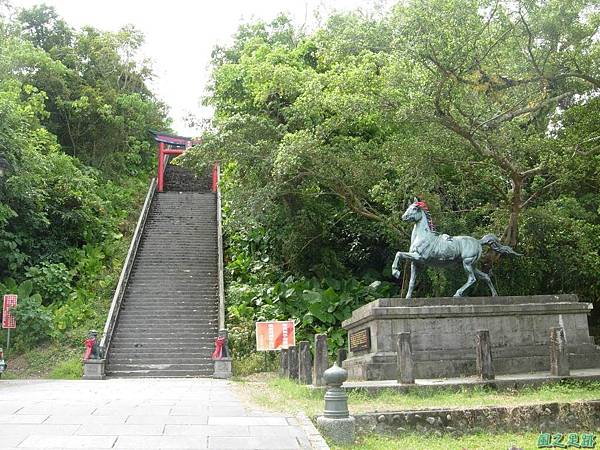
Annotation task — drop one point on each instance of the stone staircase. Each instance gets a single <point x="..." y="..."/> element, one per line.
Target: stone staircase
<point x="168" y="319"/>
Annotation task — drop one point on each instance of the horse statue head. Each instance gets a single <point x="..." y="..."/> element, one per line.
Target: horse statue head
<point x="416" y="211"/>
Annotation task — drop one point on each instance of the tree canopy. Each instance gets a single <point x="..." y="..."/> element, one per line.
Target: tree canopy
<point x="487" y="110"/>
<point x="75" y="152"/>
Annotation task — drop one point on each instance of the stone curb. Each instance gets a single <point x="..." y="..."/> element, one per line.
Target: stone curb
<point x="577" y="416"/>
<point x="317" y="442"/>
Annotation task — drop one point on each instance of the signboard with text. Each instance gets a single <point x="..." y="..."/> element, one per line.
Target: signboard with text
<point x="8" y="320"/>
<point x="360" y="340"/>
<point x="275" y="335"/>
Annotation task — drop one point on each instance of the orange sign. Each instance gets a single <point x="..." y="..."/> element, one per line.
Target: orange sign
<point x="275" y="335"/>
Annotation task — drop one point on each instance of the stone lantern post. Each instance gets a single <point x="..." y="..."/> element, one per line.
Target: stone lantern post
<point x="336" y="422"/>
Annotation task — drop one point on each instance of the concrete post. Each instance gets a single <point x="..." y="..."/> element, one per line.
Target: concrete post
<point x="321" y="359"/>
<point x="404" y="359"/>
<point x="293" y="363"/>
<point x="559" y="357"/>
<point x="342" y="355"/>
<point x="483" y="349"/>
<point x="304" y="363"/>
<point x="283" y="363"/>
<point x="93" y="369"/>
<point x="336" y="422"/>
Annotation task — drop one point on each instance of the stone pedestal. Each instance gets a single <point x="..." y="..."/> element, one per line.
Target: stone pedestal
<point x="222" y="368"/>
<point x="341" y="431"/>
<point x="93" y="369"/>
<point x="443" y="334"/>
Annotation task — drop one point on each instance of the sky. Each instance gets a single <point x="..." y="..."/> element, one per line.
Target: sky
<point x="180" y="36"/>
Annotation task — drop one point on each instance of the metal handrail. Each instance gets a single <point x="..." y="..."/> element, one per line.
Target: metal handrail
<point x="220" y="251"/>
<point x="115" y="306"/>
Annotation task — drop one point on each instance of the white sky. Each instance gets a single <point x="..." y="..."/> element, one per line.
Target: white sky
<point x="179" y="30"/>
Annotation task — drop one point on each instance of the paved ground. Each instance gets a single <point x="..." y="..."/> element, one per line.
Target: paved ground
<point x="138" y="413"/>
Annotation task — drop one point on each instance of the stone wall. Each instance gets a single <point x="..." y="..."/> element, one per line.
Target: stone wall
<point x="547" y="417"/>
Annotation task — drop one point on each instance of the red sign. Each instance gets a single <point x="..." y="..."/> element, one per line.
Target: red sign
<point x="275" y="335"/>
<point x="8" y="320"/>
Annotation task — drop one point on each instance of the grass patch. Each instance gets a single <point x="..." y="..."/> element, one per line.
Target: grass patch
<point x="70" y="369"/>
<point x="51" y="361"/>
<point x="284" y="395"/>
<point x="414" y="441"/>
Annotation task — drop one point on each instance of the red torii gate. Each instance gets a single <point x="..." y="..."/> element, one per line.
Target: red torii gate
<point x="169" y="144"/>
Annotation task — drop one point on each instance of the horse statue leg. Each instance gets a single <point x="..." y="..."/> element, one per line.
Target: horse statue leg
<point x="414" y="269"/>
<point x="468" y="266"/>
<point x="395" y="271"/>
<point x="485" y="277"/>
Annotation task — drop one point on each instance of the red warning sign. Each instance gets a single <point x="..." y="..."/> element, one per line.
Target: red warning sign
<point x="8" y="320"/>
<point x="275" y="335"/>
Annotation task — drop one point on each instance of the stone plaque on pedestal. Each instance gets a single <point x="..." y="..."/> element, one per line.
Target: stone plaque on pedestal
<point x="443" y="334"/>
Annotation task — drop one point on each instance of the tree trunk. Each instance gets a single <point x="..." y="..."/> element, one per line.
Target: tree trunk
<point x="511" y="234"/>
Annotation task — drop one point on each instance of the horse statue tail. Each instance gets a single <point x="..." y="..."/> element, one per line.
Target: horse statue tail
<point x="494" y="243"/>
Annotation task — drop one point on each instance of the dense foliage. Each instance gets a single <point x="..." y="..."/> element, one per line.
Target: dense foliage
<point x="75" y="152"/>
<point x="487" y="110"/>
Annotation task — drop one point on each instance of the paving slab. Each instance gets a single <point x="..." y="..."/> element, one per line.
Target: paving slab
<point x="207" y="430"/>
<point x="15" y="418"/>
<point x="180" y="442"/>
<point x="43" y="441"/>
<point x="148" y="413"/>
<point x="121" y="430"/>
<point x="253" y="442"/>
<point x="28" y="429"/>
<point x="83" y="420"/>
<point x="168" y="420"/>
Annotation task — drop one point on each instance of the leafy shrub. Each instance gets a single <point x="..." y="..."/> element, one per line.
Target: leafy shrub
<point x="72" y="314"/>
<point x="52" y="281"/>
<point x="317" y="306"/>
<point x="34" y="320"/>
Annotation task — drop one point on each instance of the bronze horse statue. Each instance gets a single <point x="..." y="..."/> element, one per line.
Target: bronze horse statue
<point x="428" y="248"/>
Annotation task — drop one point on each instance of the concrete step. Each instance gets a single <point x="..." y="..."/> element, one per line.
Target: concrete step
<point x="161" y="343"/>
<point x="209" y="364"/>
<point x="128" y="352"/>
<point x="134" y="352"/>
<point x="161" y="313"/>
<point x="151" y="359"/>
<point x="165" y="308"/>
<point x="159" y="373"/>
<point x="206" y="321"/>
<point x="157" y="334"/>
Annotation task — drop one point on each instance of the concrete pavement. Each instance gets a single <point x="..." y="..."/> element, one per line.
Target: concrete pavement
<point x="148" y="413"/>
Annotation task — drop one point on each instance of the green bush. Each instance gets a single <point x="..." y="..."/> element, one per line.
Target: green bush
<point x="255" y="363"/>
<point x="51" y="281"/>
<point x="34" y="320"/>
